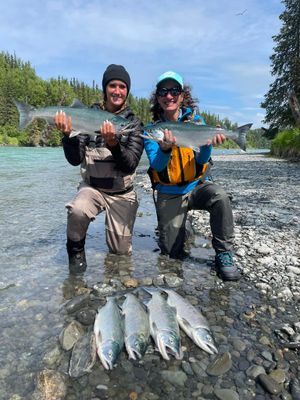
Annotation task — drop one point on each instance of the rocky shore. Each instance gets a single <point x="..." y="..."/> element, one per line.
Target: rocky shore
<point x="255" y="322"/>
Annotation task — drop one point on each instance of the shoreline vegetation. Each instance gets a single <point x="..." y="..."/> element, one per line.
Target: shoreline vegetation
<point x="18" y="80"/>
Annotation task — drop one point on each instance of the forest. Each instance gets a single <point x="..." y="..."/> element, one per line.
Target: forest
<point x="19" y="81"/>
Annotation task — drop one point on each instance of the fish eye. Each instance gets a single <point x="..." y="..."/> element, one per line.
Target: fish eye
<point x="110" y="354"/>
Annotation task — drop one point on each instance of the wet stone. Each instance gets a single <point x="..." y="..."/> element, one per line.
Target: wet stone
<point x="70" y="335"/>
<point x="175" y="377"/>
<point x="77" y="303"/>
<point x="220" y="365"/>
<point x="226" y="394"/>
<point x="51" y="385"/>
<point x="86" y="316"/>
<point x="295" y="389"/>
<point x="278" y="375"/>
<point x="254" y="371"/>
<point x="187" y="368"/>
<point x="83" y="355"/>
<point x="269" y="384"/>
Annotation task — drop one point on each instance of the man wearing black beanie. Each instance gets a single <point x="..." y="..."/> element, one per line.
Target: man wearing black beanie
<point x="108" y="167"/>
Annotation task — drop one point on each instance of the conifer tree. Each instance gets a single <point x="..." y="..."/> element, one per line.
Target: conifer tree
<point x="285" y="68"/>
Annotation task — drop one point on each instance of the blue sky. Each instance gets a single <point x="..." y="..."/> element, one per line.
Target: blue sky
<point x="221" y="48"/>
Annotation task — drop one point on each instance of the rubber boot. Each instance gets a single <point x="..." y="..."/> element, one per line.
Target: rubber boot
<point x="76" y="253"/>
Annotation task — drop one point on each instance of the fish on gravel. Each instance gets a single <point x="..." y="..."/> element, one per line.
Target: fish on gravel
<point x="191" y="321"/>
<point x="85" y="120"/>
<point x="137" y="328"/>
<point x="109" y="332"/>
<point x="83" y="355"/>
<point x="164" y="327"/>
<point x="193" y="135"/>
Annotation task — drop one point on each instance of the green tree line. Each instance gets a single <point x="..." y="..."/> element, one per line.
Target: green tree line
<point x="18" y="81"/>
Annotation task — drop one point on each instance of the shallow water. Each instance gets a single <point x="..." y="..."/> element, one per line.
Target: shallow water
<point x="34" y="280"/>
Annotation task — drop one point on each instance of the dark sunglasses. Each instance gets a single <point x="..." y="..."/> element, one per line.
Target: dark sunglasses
<point x="175" y="91"/>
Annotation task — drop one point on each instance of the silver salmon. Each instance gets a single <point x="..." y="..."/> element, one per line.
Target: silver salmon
<point x="109" y="333"/>
<point x="85" y="120"/>
<point x="164" y="327"/>
<point x="193" y="135"/>
<point x="137" y="328"/>
<point x="191" y="321"/>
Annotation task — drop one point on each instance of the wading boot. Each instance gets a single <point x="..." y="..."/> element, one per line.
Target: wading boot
<point x="76" y="253"/>
<point x="225" y="267"/>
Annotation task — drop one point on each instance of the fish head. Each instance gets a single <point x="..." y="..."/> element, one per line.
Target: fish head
<point x="136" y="346"/>
<point x="153" y="133"/>
<point x="169" y="342"/>
<point x="204" y="340"/>
<point x="108" y="353"/>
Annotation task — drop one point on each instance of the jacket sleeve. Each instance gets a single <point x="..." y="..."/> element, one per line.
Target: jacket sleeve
<point x="204" y="155"/>
<point x="158" y="159"/>
<point x="127" y="153"/>
<point x="74" y="148"/>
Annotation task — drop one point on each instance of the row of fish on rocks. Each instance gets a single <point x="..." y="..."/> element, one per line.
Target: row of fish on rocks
<point x="132" y="325"/>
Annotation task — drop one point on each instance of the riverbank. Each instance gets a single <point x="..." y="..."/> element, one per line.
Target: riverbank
<point x="255" y="322"/>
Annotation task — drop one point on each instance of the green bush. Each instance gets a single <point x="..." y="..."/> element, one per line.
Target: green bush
<point x="287" y="144"/>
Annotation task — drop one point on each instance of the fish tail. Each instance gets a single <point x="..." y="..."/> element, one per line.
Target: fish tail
<point x="242" y="132"/>
<point x="24" y="113"/>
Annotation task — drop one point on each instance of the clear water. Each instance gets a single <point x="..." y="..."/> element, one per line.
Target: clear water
<point x="36" y="183"/>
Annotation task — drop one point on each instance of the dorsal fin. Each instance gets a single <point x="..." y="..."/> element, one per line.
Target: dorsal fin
<point x="77" y="104"/>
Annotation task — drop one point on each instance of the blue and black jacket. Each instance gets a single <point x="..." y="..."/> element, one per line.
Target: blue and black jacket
<point x="179" y="170"/>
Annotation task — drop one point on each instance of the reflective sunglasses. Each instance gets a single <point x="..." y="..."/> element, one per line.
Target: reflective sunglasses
<point x="175" y="91"/>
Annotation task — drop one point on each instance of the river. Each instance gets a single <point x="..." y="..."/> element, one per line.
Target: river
<point x="247" y="318"/>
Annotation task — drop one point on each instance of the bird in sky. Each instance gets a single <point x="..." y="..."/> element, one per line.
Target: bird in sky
<point x="242" y="13"/>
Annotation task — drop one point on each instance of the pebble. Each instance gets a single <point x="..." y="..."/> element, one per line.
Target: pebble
<point x="221" y="364"/>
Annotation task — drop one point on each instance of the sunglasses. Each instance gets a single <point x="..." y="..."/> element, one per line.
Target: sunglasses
<point x="175" y="91"/>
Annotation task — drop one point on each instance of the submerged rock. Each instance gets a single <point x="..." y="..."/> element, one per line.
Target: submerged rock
<point x="221" y="364"/>
<point x="83" y="355"/>
<point x="51" y="385"/>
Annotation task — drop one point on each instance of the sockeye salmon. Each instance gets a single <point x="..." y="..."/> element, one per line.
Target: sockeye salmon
<point x="191" y="321"/>
<point x="109" y="333"/>
<point x="193" y="135"/>
<point x="85" y="120"/>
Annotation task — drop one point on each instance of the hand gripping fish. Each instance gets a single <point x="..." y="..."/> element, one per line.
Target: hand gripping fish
<point x="85" y="120"/>
<point x="109" y="333"/>
<point x="193" y="135"/>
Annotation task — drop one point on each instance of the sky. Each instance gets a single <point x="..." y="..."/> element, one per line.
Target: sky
<point x="221" y="48"/>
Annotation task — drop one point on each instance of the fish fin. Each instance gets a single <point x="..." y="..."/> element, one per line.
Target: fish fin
<point x="76" y="103"/>
<point x="186" y="326"/>
<point x="24" y="113"/>
<point x="74" y="133"/>
<point x="128" y="128"/>
<point x="240" y="140"/>
<point x="244" y="128"/>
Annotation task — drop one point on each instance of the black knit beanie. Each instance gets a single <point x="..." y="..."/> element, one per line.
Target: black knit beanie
<point x="118" y="72"/>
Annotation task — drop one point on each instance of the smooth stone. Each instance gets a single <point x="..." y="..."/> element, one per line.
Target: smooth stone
<point x="254" y="371"/>
<point x="220" y="365"/>
<point x="175" y="377"/>
<point x="51" y="385"/>
<point x="70" y="335"/>
<point x="269" y="384"/>
<point x="278" y="375"/>
<point x="77" y="303"/>
<point x="226" y="394"/>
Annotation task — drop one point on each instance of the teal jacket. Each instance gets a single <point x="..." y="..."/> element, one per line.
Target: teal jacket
<point x="159" y="159"/>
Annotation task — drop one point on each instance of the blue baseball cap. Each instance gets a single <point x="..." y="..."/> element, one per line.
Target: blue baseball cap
<point x="170" y="75"/>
